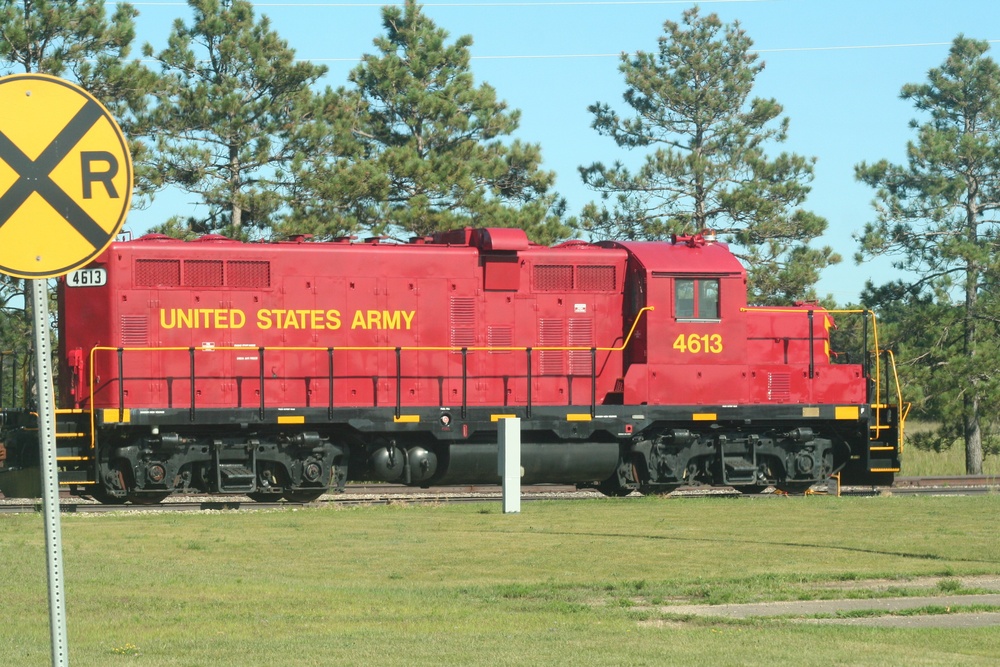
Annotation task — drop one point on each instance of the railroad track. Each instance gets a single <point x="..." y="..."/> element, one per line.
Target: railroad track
<point x="354" y="495"/>
<point x="383" y="494"/>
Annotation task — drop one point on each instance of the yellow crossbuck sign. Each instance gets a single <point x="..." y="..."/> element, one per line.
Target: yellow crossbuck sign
<point x="65" y="176"/>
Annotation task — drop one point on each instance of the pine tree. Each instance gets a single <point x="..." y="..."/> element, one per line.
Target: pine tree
<point x="431" y="141"/>
<point x="79" y="42"/>
<point x="937" y="216"/>
<point x="233" y="119"/>
<point x="708" y="168"/>
<point x="76" y="40"/>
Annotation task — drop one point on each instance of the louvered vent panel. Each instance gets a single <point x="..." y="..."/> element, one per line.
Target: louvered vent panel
<point x="550" y="334"/>
<point x="500" y="336"/>
<point x="203" y="273"/>
<point x="135" y="331"/>
<point x="157" y="272"/>
<point x="248" y="274"/>
<point x="595" y="278"/>
<point x="779" y="386"/>
<point x="553" y="278"/>
<point x="463" y="321"/>
<point x="581" y="334"/>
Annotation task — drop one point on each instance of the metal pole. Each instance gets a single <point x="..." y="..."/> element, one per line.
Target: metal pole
<point x="509" y="463"/>
<point x="50" y="479"/>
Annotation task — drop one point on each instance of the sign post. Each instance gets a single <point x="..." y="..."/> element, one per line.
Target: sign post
<point x="65" y="189"/>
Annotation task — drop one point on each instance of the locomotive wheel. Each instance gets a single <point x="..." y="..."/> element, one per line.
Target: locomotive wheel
<point x="306" y="496"/>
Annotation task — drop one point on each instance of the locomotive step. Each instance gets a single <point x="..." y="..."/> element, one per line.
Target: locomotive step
<point x="739" y="471"/>
<point x="883" y="465"/>
<point x="236" y="477"/>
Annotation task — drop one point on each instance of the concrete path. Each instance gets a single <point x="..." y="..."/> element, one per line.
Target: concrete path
<point x="886" y="606"/>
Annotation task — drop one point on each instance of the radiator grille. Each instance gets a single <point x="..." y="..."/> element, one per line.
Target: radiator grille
<point x="248" y="274"/>
<point x="553" y="278"/>
<point x="203" y="273"/>
<point x="157" y="272"/>
<point x="596" y="278"/>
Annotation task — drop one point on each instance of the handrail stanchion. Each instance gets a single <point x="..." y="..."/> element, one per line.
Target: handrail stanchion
<point x="528" y="411"/>
<point x="812" y="342"/>
<point x="329" y="366"/>
<point x="260" y="355"/>
<point x="191" y="356"/>
<point x="465" y="380"/>
<point x="593" y="381"/>
<point x="399" y="380"/>
<point x="121" y="386"/>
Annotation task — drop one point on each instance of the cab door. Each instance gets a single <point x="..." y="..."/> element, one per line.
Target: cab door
<point x="696" y="340"/>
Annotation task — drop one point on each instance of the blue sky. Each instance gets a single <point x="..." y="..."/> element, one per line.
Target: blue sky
<point x="836" y="67"/>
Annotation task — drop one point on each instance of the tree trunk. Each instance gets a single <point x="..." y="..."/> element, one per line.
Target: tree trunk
<point x="973" y="437"/>
<point x="970" y="402"/>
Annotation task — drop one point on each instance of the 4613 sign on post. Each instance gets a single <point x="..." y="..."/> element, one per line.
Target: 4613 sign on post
<point x="65" y="176"/>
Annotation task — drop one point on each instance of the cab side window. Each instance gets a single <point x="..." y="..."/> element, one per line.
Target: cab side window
<point x="696" y="298"/>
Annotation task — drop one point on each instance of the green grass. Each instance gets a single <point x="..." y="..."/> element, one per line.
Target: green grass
<point x="581" y="582"/>
<point x="951" y="461"/>
<point x="922" y="462"/>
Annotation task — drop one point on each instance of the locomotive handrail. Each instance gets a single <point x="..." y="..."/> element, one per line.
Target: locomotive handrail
<point x="354" y="348"/>
<point x="904" y="412"/>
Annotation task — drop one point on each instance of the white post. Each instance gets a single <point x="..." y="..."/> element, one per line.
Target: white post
<point x="509" y="463"/>
<point x="50" y="476"/>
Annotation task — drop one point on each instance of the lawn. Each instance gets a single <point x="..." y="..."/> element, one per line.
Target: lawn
<point x="578" y="582"/>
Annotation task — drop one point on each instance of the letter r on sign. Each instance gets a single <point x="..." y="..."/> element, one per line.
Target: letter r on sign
<point x="87" y="158"/>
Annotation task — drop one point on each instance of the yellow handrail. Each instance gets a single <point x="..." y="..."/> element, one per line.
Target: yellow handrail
<point x="354" y="348"/>
<point x="899" y="396"/>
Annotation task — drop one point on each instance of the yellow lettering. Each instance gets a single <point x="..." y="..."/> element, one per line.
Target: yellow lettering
<point x="201" y="318"/>
<point x="333" y="319"/>
<point x="291" y="320"/>
<point x="374" y="319"/>
<point x="263" y="318"/>
<point x="390" y="320"/>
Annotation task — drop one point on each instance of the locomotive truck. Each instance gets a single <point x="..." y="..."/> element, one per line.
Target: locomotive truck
<point x="284" y="369"/>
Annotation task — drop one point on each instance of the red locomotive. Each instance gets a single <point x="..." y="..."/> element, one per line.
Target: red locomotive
<point x="285" y="369"/>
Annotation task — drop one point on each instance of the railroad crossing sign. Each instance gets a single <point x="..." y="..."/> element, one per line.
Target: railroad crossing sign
<point x="65" y="176"/>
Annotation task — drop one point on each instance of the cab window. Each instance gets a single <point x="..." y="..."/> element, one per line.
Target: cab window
<point x="696" y="299"/>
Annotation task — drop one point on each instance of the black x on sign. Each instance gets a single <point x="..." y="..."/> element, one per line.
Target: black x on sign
<point x="65" y="176"/>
